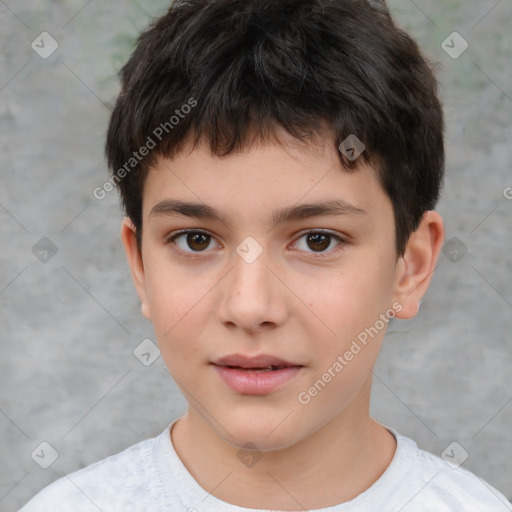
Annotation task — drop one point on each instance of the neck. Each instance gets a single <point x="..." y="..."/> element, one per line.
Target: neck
<point x="331" y="466"/>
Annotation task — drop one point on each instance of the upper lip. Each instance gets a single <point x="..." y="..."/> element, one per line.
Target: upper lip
<point x="258" y="361"/>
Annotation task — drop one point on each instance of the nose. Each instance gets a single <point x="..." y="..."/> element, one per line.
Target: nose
<point x="253" y="299"/>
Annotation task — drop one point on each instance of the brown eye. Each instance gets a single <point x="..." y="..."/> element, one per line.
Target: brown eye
<point x="191" y="241"/>
<point x="319" y="242"/>
<point x="198" y="241"/>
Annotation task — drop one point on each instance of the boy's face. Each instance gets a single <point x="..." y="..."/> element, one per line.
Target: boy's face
<point x="253" y="287"/>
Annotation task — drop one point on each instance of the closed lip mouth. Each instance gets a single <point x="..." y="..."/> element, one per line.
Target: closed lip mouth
<point x="262" y="361"/>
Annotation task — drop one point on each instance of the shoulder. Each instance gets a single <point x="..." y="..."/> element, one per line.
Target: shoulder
<point x="103" y="485"/>
<point x="434" y="483"/>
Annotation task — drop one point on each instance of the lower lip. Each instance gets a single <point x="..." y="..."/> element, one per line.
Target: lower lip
<point x="250" y="382"/>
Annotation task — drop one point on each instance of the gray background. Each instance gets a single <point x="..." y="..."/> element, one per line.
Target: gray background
<point x="69" y="325"/>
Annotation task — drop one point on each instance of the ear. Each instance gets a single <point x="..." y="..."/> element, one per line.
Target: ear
<point x="134" y="257"/>
<point x="415" y="268"/>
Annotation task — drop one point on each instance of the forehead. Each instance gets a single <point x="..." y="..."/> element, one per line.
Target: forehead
<point x="260" y="179"/>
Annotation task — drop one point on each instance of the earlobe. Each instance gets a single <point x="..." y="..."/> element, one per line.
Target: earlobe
<point x="415" y="268"/>
<point x="134" y="256"/>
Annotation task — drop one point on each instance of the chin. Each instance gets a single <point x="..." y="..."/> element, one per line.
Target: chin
<point x="260" y="441"/>
<point x="266" y="432"/>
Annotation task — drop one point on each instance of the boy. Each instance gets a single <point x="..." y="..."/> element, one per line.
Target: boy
<point x="293" y="142"/>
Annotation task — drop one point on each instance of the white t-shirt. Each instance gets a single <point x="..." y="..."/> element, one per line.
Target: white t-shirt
<point x="149" y="476"/>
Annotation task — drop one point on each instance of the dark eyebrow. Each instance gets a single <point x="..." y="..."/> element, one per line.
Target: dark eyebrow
<point x="323" y="208"/>
<point x="301" y="211"/>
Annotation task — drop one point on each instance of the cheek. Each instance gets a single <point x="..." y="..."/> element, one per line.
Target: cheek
<point x="176" y="303"/>
<point x="344" y="302"/>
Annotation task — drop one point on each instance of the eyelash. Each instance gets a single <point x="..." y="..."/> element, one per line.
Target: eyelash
<point x="194" y="254"/>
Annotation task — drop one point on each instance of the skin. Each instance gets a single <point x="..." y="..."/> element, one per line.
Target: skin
<point x="286" y="303"/>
